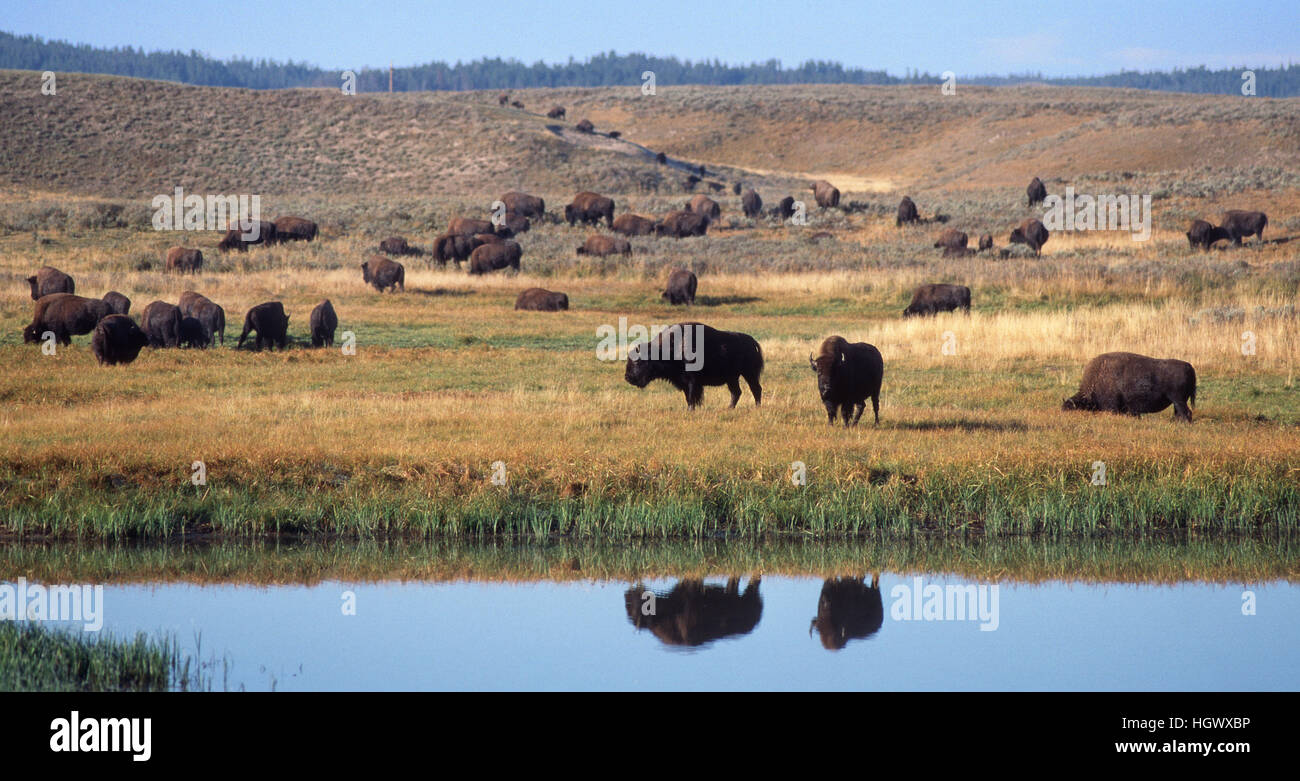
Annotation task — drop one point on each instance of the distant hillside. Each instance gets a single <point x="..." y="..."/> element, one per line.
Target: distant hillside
<point x="31" y="52"/>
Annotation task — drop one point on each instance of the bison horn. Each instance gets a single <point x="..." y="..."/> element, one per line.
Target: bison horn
<point x="811" y="362"/>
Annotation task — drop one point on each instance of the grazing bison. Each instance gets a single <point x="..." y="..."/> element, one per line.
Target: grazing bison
<point x="1238" y="225"/>
<point x="932" y="299"/>
<point x="323" y="324"/>
<point x="381" y="273"/>
<point x="117" y="339"/>
<point x="661" y="158"/>
<point x="259" y="232"/>
<point x="49" y="279"/>
<point x="468" y="226"/>
<point x="1036" y="192"/>
<point x="456" y="247"/>
<point x="906" y="212"/>
<point x="826" y="194"/>
<point x="694" y="613"/>
<point x="290" y="228"/>
<point x="848" y="375"/>
<point x="681" y="224"/>
<point x="512" y="224"/>
<point x="556" y="112"/>
<point x="590" y="208"/>
<point x="633" y="225"/>
<point x="585" y="126"/>
<point x="692" y="356"/>
<point x="1203" y="234"/>
<point x="785" y="208"/>
<point x="986" y="241"/>
<point x="537" y="299"/>
<point x="161" y="322"/>
<point x="525" y="204"/>
<point x="600" y="246"/>
<point x="192" y="334"/>
<point x="397" y="245"/>
<point x="848" y="609"/>
<point x="1032" y="234"/>
<point x="271" y="324"/>
<point x="66" y="315"/>
<point x="182" y="259"/>
<point x="517" y="104"/>
<point x="751" y="204"/>
<point x="703" y="204"/>
<point x="117" y="303"/>
<point x="952" y="242"/>
<point x="491" y="257"/>
<point x="1131" y="384"/>
<point x="681" y="287"/>
<point x="210" y="315"/>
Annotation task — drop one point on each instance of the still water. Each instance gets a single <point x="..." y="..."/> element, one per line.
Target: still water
<point x="909" y="632"/>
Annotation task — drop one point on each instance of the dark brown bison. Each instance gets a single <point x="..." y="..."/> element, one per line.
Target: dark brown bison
<point x="1131" y="384"/>
<point x="590" y="208"/>
<point x="455" y="247"/>
<point x="692" y="356"/>
<point x="848" y="609"/>
<point x="585" y="126"/>
<point x="117" y="339"/>
<point x="382" y="273"/>
<point x="511" y="224"/>
<point x="1242" y="224"/>
<point x="751" y="204"/>
<point x="825" y="193"/>
<point x="487" y="238"/>
<point x="259" y="232"/>
<point x="556" y="112"/>
<point x="491" y="257"/>
<point x="848" y="375"/>
<point x="986" y="241"/>
<point x="1036" y="192"/>
<point x="691" y="181"/>
<point x="906" y="212"/>
<point x="1032" y="234"/>
<point x="681" y="287"/>
<point x="694" y="614"/>
<point x="784" y="208"/>
<point x="681" y="224"/>
<point x="525" y="204"/>
<point x="614" y="134"/>
<point x="209" y="315"/>
<point x="117" y="303"/>
<point x="49" y="279"/>
<point x="661" y="158"/>
<point x="323" y="323"/>
<point x="932" y="299"/>
<point x="397" y="245"/>
<point x="1203" y="234"/>
<point x="468" y="226"/>
<point x="290" y="228"/>
<point x="66" y="315"/>
<point x="183" y="260"/>
<point x="161" y="322"/>
<point x="192" y="334"/>
<point x="503" y="99"/>
<point x="537" y="299"/>
<point x="703" y="204"/>
<point x="633" y="225"/>
<point x="271" y="324"/>
<point x="952" y="242"/>
<point x="517" y="104"/>
<point x="600" y="246"/>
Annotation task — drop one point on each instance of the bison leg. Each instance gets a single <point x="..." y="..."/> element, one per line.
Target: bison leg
<point x="1181" y="412"/>
<point x="831" y="410"/>
<point x="858" y="409"/>
<point x="875" y="407"/>
<point x="694" y="393"/>
<point x="755" y="389"/>
<point x="733" y="385"/>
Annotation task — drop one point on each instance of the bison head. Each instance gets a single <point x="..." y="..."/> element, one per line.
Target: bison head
<point x="1078" y="402"/>
<point x="826" y="367"/>
<point x="365" y="271"/>
<point x="568" y="214"/>
<point x="1017" y="237"/>
<point x="35" y="290"/>
<point x="639" y="371"/>
<point x="31" y="334"/>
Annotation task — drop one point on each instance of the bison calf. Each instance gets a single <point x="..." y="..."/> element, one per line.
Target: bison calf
<point x="691" y="356"/>
<point x="1132" y="384"/>
<point x="847" y="375"/>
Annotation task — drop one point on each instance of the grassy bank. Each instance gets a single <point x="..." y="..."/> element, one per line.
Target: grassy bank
<point x="36" y="658"/>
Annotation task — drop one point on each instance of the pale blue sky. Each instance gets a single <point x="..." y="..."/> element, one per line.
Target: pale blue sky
<point x="969" y="38"/>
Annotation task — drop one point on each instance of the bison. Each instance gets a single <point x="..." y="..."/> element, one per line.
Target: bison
<point x="556" y="112"/>
<point x="952" y="242"/>
<point x="65" y="315"/>
<point x="848" y="609"/>
<point x="826" y="194"/>
<point x="537" y="299"/>
<point x="986" y="241"/>
<point x="192" y="334"/>
<point x="1238" y="225"/>
<point x="183" y="259"/>
<point x="468" y="226"/>
<point x="1036" y="192"/>
<point x="397" y="245"/>
<point x="751" y="204"/>
<point x="323" y="324"/>
<point x="503" y="99"/>
<point x="703" y="204"/>
<point x="1032" y="234"/>
<point x="118" y="303"/>
<point x="847" y="375"/>
<point x="525" y="204"/>
<point x="210" y="315"/>
<point x="456" y="247"/>
<point x="906" y="212"/>
<point x="117" y="339"/>
<point x="681" y="224"/>
<point x="289" y="228"/>
<point x="161" y="322"/>
<point x="932" y="299"/>
<point x="784" y="208"/>
<point x="491" y="257"/>
<point x="271" y="324"/>
<point x="694" y="613"/>
<point x="1131" y="384"/>
<point x="589" y="208"/>
<point x="681" y="287"/>
<point x="259" y="232"/>
<point x="585" y="126"/>
<point x="600" y="246"/>
<point x="49" y="279"/>
<point x="512" y="224"/>
<point x="1203" y="234"/>
<point x="633" y="225"/>
<point x="382" y="273"/>
<point x="692" y="356"/>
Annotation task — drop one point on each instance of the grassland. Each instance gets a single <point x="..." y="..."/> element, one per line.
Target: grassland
<point x="400" y="438"/>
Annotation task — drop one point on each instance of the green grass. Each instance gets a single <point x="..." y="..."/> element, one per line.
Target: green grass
<point x="36" y="658"/>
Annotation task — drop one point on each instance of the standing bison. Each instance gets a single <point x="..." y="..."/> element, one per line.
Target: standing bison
<point x="906" y="212"/>
<point x="585" y="126"/>
<point x="524" y="204"/>
<point x="932" y="299"/>
<point x="1036" y="191"/>
<point x="784" y="208"/>
<point x="65" y="315"/>
<point x="183" y="259"/>
<point x="117" y="339"/>
<point x="848" y="375"/>
<point x="289" y="228"/>
<point x="952" y="242"/>
<point x="259" y="232"/>
<point x="382" y="273"/>
<point x="511" y="224"/>
<point x="986" y="241"/>
<point x="271" y="324"/>
<point x="692" y="356"/>
<point x="161" y="322"/>
<point x="633" y="225"/>
<point x="826" y="194"/>
<point x="1203" y="234"/>
<point x="49" y="279"/>
<point x="681" y="287"/>
<point x="455" y="247"/>
<point x="1032" y="233"/>
<point x="556" y="112"/>
<point x="600" y="246"/>
<point x="468" y="226"/>
<point x="118" y="303"/>
<point x="751" y="204"/>
<point x="590" y="208"/>
<point x="492" y="257"/>
<point x="323" y="324"/>
<point x="538" y="299"/>
<point x="1131" y="384"/>
<point x="703" y="204"/>
<point x="682" y="224"/>
<point x="1238" y="225"/>
<point x="397" y="245"/>
<point x="209" y="315"/>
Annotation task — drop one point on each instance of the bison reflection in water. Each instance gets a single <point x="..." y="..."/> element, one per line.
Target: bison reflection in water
<point x="694" y="614"/>
<point x="848" y="609"/>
